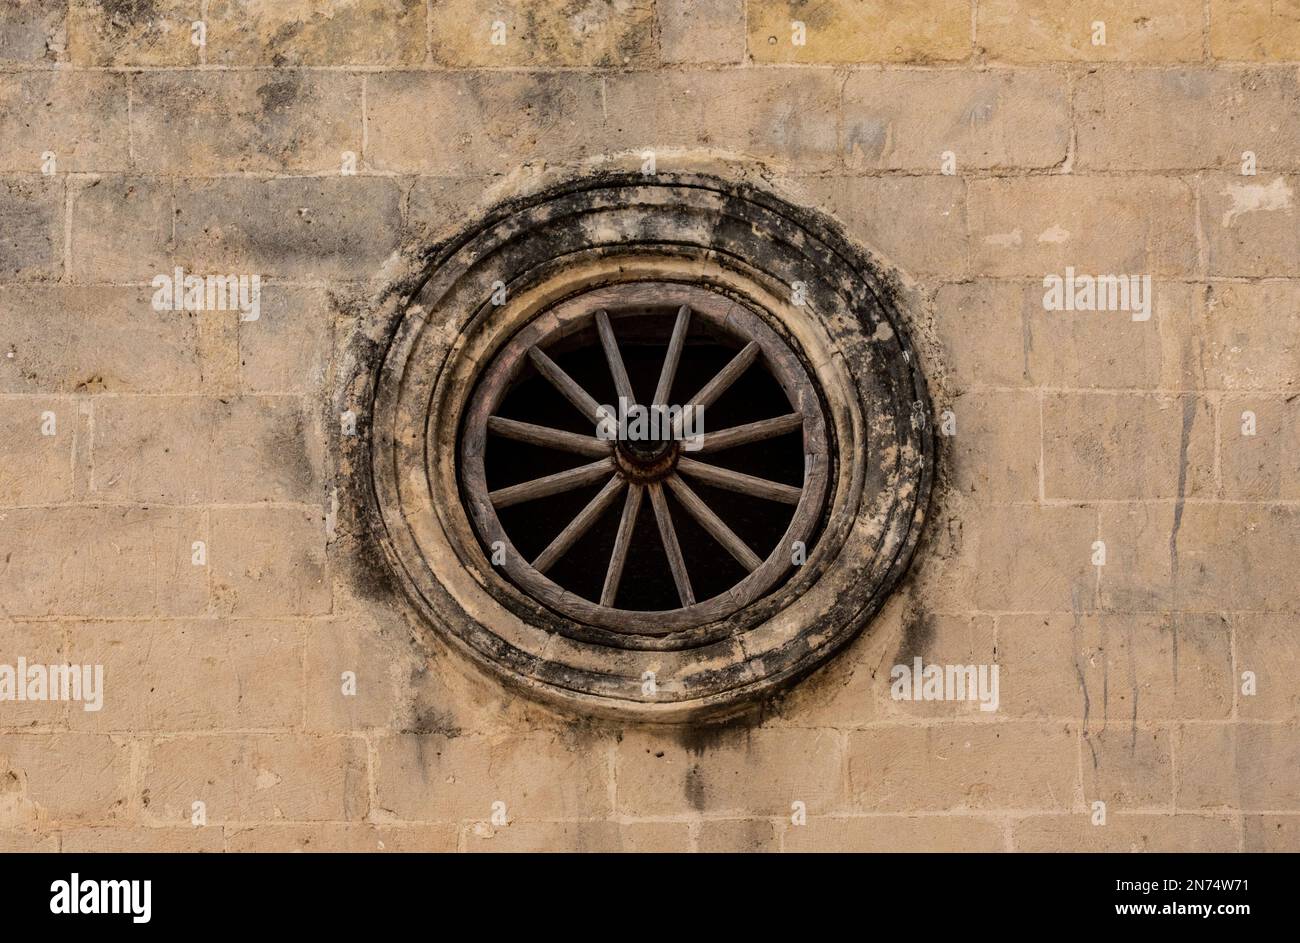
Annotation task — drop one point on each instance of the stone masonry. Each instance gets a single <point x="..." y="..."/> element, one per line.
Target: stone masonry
<point x="1117" y="513"/>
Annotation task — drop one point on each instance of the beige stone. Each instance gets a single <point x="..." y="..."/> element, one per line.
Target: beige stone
<point x="894" y="833"/>
<point x="31" y="217"/>
<point x="38" y="435"/>
<point x="130" y="34"/>
<point x="1243" y="766"/>
<point x="62" y="777"/>
<point x="79" y="118"/>
<point x="33" y="32"/>
<point x="1271" y="833"/>
<point x="268" y="561"/>
<point x="660" y="774"/>
<point x="1051" y="30"/>
<point x="102" y="561"/>
<point x="341" y="838"/>
<point x="182" y="450"/>
<point x="590" y="836"/>
<point x="471" y="33"/>
<point x="695" y="31"/>
<point x="1249" y="224"/>
<point x="917" y="223"/>
<point x="191" y="675"/>
<point x="1198" y="556"/>
<point x="963" y="767"/>
<point x="1254" y="29"/>
<point x="847" y="31"/>
<point x="1121" y="445"/>
<point x="305" y="32"/>
<point x="481" y="121"/>
<point x="1154" y="119"/>
<point x="1250" y="335"/>
<point x="1111" y="671"/>
<point x="1036" y="226"/>
<point x="1134" y="832"/>
<point x="1268" y="647"/>
<point x="784" y="119"/>
<point x="432" y="777"/>
<point x="284" y="119"/>
<point x="911" y="120"/>
<point x="255" y="778"/>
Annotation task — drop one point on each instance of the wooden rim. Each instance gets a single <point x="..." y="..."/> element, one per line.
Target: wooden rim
<point x="624" y="475"/>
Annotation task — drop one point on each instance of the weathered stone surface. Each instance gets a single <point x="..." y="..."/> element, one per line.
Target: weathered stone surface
<point x="78" y="119"/>
<point x="102" y="561"/>
<point x="1255" y="30"/>
<point x="1127" y="668"/>
<point x="845" y="31"/>
<point x="470" y="33"/>
<point x="909" y="120"/>
<point x="1154" y="119"/>
<point x="997" y="766"/>
<point x="200" y="674"/>
<point x="1250" y="224"/>
<point x="1035" y="226"/>
<point x="285" y="120"/>
<point x="1104" y="445"/>
<point x="33" y="32"/>
<point x="696" y="31"/>
<point x="31" y="224"/>
<point x="255" y="778"/>
<point x="1051" y="30"/>
<point x="301" y="227"/>
<point x="784" y="119"/>
<point x="1239" y="765"/>
<point x="301" y="32"/>
<point x="269" y="561"/>
<point x="196" y="523"/>
<point x="662" y="777"/>
<point x="431" y="777"/>
<point x="455" y="123"/>
<point x="133" y="33"/>
<point x="1127" y="832"/>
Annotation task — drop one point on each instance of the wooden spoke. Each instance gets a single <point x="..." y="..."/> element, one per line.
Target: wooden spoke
<point x="621" y="382"/>
<point x="579" y="525"/>
<point x="565" y="384"/>
<point x="617" y="559"/>
<point x="551" y="484"/>
<point x="719" y="384"/>
<point x="714" y="524"/>
<point x="664" y="388"/>
<point x="547" y="437"/>
<point x="738" y="481"/>
<point x="674" y="551"/>
<point x="751" y="432"/>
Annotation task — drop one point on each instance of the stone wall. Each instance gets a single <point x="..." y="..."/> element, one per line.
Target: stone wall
<point x="170" y="489"/>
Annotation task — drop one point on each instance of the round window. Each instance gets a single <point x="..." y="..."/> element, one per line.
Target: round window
<point x="650" y="447"/>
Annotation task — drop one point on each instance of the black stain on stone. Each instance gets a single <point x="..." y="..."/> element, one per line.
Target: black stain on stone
<point x="279" y="93"/>
<point x="918" y="635"/>
<point x="695" y="790"/>
<point x="130" y="12"/>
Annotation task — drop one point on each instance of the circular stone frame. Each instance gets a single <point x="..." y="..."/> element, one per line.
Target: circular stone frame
<point x="675" y="236"/>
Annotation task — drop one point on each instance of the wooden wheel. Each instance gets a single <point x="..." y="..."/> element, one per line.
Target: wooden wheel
<point x="674" y="465"/>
